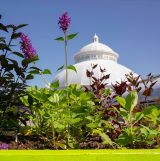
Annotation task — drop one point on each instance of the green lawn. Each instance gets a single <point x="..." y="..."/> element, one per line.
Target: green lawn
<point x="80" y="155"/>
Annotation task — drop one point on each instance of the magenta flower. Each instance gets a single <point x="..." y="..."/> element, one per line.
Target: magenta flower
<point x="26" y="46"/>
<point x="4" y="146"/>
<point x="64" y="21"/>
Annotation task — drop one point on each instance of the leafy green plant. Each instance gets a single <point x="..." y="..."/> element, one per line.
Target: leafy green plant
<point x="49" y="114"/>
<point x="128" y="135"/>
<point x="150" y="129"/>
<point x="139" y="127"/>
<point x="64" y="22"/>
<point x="15" y="71"/>
<point x="73" y="116"/>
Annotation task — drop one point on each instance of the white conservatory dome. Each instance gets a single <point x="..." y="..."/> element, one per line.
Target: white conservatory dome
<point x="94" y="53"/>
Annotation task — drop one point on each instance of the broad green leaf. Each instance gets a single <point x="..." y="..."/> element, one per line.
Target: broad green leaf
<point x="15" y="63"/>
<point x="27" y="61"/>
<point x="71" y="67"/>
<point x="121" y="101"/>
<point x="39" y="94"/>
<point x="36" y="68"/>
<point x="84" y="97"/>
<point x="3" y="27"/>
<point x="11" y="26"/>
<point x="18" y="54"/>
<point x="10" y="67"/>
<point x="123" y="139"/>
<point x="4" y="47"/>
<point x="150" y="131"/>
<point x="106" y="139"/>
<point x="29" y="76"/>
<point x="151" y="142"/>
<point x="55" y="84"/>
<point x="138" y="117"/>
<point x="71" y="36"/>
<point x="54" y="98"/>
<point x="144" y="131"/>
<point x="124" y="114"/>
<point x="59" y="39"/>
<point x="63" y="146"/>
<point x="89" y="118"/>
<point x="58" y="126"/>
<point x="75" y="120"/>
<point x="12" y="109"/>
<point x="16" y="35"/>
<point x="24" y="100"/>
<point x="41" y="111"/>
<point x="20" y="26"/>
<point x="60" y="68"/>
<point x="71" y="145"/>
<point x="46" y="71"/>
<point x="4" y="61"/>
<point x="73" y="97"/>
<point x="152" y="114"/>
<point x="34" y="72"/>
<point x="92" y="125"/>
<point x="131" y="100"/>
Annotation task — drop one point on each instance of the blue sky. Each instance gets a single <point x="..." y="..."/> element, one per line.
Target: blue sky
<point x="129" y="27"/>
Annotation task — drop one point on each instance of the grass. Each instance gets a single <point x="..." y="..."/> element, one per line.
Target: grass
<point x="80" y="155"/>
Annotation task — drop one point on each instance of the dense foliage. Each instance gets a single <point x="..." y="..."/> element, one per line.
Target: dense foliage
<point x="94" y="116"/>
<point x="106" y="120"/>
<point x="16" y="69"/>
<point x="14" y="72"/>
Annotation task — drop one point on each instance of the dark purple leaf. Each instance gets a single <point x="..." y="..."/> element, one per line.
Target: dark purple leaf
<point x="89" y="74"/>
<point x="94" y="66"/>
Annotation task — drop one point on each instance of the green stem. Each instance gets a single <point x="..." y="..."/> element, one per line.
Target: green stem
<point x="66" y="65"/>
<point x="44" y="79"/>
<point x="66" y="55"/>
<point x="53" y="131"/>
<point x="131" y="128"/>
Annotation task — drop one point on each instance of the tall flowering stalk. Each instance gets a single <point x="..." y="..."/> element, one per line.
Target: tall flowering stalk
<point x="26" y="46"/>
<point x="30" y="53"/>
<point x="64" y="22"/>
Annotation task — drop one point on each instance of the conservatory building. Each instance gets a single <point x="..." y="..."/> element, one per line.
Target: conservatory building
<point x="91" y="54"/>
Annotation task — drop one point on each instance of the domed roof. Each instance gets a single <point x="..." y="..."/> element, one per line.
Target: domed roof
<point x="96" y="46"/>
<point x="95" y="50"/>
<point x="117" y="72"/>
<point x="94" y="53"/>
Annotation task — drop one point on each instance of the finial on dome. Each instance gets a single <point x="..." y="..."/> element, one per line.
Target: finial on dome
<point x="95" y="38"/>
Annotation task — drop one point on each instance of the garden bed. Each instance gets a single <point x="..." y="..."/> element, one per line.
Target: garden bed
<point x="96" y="116"/>
<point x="80" y="155"/>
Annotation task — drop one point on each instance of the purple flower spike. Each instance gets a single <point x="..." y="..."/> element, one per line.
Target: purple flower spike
<point x="64" y="21"/>
<point x="4" y="146"/>
<point x="26" y="47"/>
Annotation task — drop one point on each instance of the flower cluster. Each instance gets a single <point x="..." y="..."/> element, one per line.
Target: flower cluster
<point x="4" y="146"/>
<point x="64" y="21"/>
<point x="27" y="47"/>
